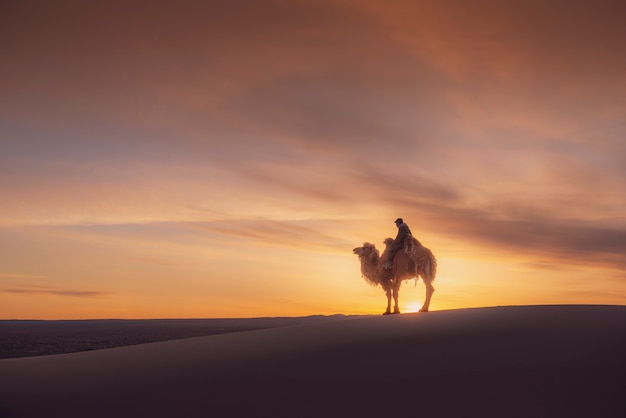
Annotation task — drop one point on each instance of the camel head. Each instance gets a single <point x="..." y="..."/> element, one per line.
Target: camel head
<point x="369" y="257"/>
<point x="367" y="252"/>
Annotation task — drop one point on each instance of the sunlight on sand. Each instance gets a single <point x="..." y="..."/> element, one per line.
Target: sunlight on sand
<point x="412" y="306"/>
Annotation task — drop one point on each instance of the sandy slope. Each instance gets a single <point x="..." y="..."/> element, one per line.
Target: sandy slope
<point x="30" y="338"/>
<point x="535" y="361"/>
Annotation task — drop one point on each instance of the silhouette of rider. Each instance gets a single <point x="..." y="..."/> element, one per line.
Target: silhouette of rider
<point x="398" y="242"/>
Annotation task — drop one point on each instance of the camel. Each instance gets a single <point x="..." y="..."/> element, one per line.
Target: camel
<point x="412" y="262"/>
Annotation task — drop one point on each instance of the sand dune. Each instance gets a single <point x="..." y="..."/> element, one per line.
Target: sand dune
<point x="539" y="361"/>
<point x="27" y="338"/>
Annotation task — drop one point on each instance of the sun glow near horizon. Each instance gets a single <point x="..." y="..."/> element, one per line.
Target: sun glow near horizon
<point x="412" y="307"/>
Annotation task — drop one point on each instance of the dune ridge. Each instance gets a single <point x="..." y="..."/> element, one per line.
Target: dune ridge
<point x="564" y="360"/>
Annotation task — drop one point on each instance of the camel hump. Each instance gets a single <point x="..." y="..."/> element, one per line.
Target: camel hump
<point x="410" y="242"/>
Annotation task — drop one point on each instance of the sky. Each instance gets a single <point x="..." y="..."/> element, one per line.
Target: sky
<point x="222" y="158"/>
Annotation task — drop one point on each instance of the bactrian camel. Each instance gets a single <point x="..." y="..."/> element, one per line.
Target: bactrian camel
<point x="411" y="262"/>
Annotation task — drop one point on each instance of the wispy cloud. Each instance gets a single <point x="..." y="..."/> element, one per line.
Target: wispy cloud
<point x="549" y="238"/>
<point x="304" y="235"/>
<point x="40" y="290"/>
<point x="553" y="227"/>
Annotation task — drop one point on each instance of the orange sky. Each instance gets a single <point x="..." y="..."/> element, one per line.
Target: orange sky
<point x="222" y="159"/>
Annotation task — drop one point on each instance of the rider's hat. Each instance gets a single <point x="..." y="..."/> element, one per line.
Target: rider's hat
<point x="398" y="221"/>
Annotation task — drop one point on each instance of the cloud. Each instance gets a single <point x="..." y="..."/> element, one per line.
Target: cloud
<point x="557" y="227"/>
<point x="543" y="238"/>
<point x="41" y="290"/>
<point x="305" y="235"/>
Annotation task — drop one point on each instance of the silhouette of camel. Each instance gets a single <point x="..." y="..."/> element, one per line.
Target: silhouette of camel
<point x="412" y="262"/>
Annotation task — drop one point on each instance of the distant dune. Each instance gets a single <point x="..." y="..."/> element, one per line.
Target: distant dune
<point x="27" y="338"/>
<point x="531" y="361"/>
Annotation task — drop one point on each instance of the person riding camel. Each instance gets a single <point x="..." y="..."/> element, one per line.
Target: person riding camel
<point x="398" y="243"/>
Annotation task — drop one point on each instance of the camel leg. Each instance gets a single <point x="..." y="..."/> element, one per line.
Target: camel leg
<point x="430" y="289"/>
<point x="396" y="291"/>
<point x="388" y="293"/>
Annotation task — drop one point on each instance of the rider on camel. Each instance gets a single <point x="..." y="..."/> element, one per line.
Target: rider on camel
<point x="398" y="243"/>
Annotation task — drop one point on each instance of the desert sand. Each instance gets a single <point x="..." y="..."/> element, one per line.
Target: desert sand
<point x="539" y="361"/>
<point x="28" y="338"/>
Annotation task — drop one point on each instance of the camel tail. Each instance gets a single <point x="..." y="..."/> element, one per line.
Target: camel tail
<point x="433" y="265"/>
